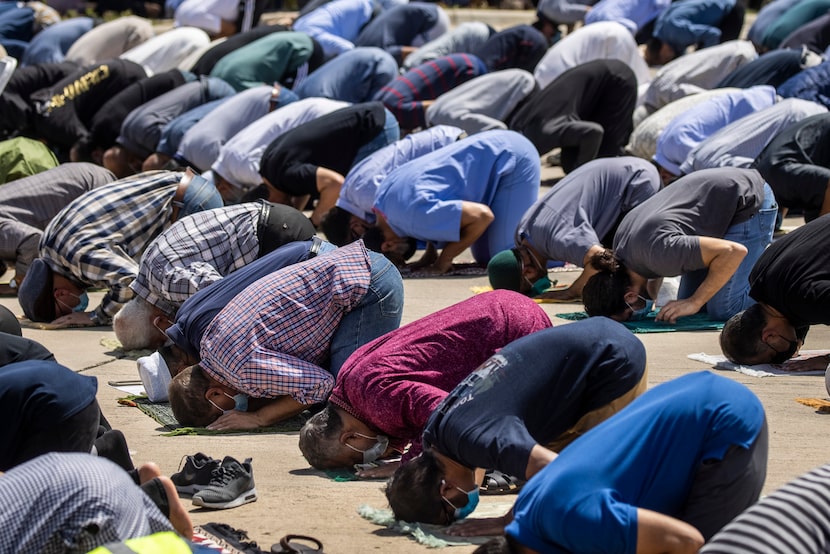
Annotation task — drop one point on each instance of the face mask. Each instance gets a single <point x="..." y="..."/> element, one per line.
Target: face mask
<point x="376" y="451"/>
<point x="240" y="401"/>
<point x="540" y="286"/>
<point x="83" y="299"/>
<point x="642" y="313"/>
<point x="83" y="302"/>
<point x="467" y="509"/>
<point x="782" y="356"/>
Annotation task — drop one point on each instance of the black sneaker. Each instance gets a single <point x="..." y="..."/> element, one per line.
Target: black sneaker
<point x="195" y="475"/>
<point x="231" y="485"/>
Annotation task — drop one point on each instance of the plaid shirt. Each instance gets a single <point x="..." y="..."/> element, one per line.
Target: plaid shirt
<point x="274" y="336"/>
<point x="63" y="502"/>
<point x="97" y="238"/>
<point x="196" y="251"/>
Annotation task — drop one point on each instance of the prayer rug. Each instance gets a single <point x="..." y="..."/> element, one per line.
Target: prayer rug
<point x="471" y="269"/>
<point x="759" y="370"/>
<point x="163" y="414"/>
<point x="697" y="322"/>
<point x="820" y="405"/>
<point x="432" y="536"/>
<point x="121" y="354"/>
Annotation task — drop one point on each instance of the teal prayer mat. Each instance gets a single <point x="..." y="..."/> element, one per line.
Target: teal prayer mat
<point x="697" y="322"/>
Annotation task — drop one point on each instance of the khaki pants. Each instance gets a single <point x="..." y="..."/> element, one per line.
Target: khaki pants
<point x="595" y="417"/>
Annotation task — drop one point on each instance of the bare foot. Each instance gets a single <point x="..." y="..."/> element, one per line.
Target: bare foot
<point x="178" y="514"/>
<point x="148" y="471"/>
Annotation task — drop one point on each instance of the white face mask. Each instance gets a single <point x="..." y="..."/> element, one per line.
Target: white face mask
<point x="376" y="451"/>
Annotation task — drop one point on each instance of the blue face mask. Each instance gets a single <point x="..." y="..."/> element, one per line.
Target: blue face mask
<point x="467" y="509"/>
<point x="240" y="401"/>
<point x="83" y="302"/>
<point x="642" y="313"/>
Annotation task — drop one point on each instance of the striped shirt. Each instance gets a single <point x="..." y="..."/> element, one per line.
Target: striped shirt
<point x="63" y="502"/>
<point x="274" y="337"/>
<point x="404" y="96"/>
<point x="795" y="519"/>
<point x="98" y="238"/>
<point x="195" y="252"/>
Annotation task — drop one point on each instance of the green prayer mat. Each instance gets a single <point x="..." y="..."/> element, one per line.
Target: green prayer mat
<point x="163" y="414"/>
<point x="432" y="536"/>
<point x="697" y="322"/>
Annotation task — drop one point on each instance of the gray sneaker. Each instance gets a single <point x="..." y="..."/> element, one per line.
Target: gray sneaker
<point x="195" y="474"/>
<point x="231" y="485"/>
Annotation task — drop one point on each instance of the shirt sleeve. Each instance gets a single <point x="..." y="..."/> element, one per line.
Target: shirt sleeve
<point x="269" y="374"/>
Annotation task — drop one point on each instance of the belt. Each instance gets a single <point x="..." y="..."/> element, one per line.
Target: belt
<point x="178" y="198"/>
<point x="316" y="243"/>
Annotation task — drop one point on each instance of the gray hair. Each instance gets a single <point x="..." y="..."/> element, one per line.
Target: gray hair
<point x="133" y="326"/>
<point x="319" y="439"/>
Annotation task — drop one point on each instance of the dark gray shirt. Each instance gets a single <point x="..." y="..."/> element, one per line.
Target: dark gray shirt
<point x="661" y="236"/>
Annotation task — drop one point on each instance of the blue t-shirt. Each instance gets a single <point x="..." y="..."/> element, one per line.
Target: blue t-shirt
<point x="645" y="456"/>
<point x="36" y="395"/>
<point x="199" y="310"/>
<point x="422" y="199"/>
<point x="533" y="390"/>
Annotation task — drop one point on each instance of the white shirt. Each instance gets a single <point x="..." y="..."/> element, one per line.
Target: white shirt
<point x="206" y="14"/>
<point x="698" y="71"/>
<point x="165" y="51"/>
<point x="239" y="158"/>
<point x="604" y="40"/>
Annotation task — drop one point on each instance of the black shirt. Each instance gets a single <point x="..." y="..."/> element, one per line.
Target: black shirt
<point x="332" y="141"/>
<point x="106" y="123"/>
<point x="793" y="274"/>
<point x="65" y="110"/>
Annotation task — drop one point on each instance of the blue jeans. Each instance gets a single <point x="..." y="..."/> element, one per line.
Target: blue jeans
<point x="378" y="313"/>
<point x="391" y="133"/>
<point x="354" y="76"/>
<point x="199" y="196"/>
<point x="756" y="235"/>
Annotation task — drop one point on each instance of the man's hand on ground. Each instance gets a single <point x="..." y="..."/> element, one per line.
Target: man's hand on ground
<point x="235" y="419"/>
<point x="480" y="527"/>
<point x="806" y="364"/>
<point x="75" y="319"/>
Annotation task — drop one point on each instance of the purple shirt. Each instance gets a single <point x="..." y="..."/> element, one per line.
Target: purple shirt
<point x="395" y="382"/>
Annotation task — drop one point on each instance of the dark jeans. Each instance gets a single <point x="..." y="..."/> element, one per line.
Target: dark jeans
<point x="76" y="434"/>
<point x="722" y="489"/>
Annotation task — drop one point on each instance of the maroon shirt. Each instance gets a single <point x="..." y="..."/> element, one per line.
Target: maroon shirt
<point x="395" y="382"/>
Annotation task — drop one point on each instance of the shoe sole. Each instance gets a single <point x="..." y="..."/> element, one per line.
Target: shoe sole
<point x="248" y="496"/>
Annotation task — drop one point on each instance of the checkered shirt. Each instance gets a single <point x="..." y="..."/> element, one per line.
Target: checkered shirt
<point x="97" y="239"/>
<point x="196" y="251"/>
<point x="63" y="502"/>
<point x="274" y="337"/>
